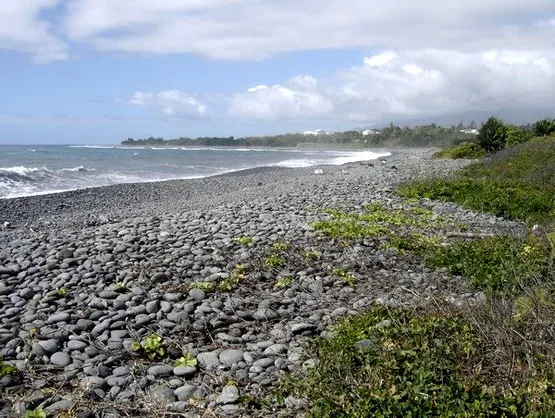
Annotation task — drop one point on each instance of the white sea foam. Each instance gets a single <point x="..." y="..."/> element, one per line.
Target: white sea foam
<point x="79" y="169"/>
<point x="359" y="156"/>
<point x="22" y="170"/>
<point x="92" y="146"/>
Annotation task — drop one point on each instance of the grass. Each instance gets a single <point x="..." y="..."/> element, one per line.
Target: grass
<point x="494" y="359"/>
<point x="504" y="265"/>
<point x="469" y="150"/>
<point x="392" y="362"/>
<point x="516" y="183"/>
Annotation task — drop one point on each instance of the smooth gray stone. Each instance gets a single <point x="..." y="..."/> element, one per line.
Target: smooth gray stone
<point x="120" y="381"/>
<point x="197" y="294"/>
<point x="208" y="360"/>
<point x="231" y="356"/>
<point x="94" y="382"/>
<point x="229" y="395"/>
<point x="60" y="406"/>
<point x="185" y="392"/>
<point x="264" y="362"/>
<point x="61" y="359"/>
<point x="276" y="349"/>
<point x="153" y="306"/>
<point x="185" y="371"/>
<point x="160" y="370"/>
<point x="50" y="346"/>
<point x="76" y="345"/>
<point x="163" y="395"/>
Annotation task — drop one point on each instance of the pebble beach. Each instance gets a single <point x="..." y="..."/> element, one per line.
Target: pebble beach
<point x="87" y="275"/>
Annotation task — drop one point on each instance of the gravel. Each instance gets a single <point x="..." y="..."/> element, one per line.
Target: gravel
<point x="86" y="275"/>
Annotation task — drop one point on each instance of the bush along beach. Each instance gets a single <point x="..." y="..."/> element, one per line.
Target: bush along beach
<point x="353" y="292"/>
<point x="495" y="135"/>
<point x="490" y="357"/>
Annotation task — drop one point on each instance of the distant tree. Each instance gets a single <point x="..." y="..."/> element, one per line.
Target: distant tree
<point x="544" y="127"/>
<point x="492" y="135"/>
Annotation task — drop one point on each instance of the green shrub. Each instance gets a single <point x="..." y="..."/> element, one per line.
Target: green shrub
<point x="544" y="127"/>
<point x="469" y="150"/>
<point x="517" y="135"/>
<point x="496" y="264"/>
<point x="402" y="363"/>
<point x="492" y="135"/>
<point x="517" y="183"/>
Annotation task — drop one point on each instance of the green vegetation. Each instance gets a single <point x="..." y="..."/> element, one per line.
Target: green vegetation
<point x="517" y="183"/>
<point x="544" y="127"/>
<point x="62" y="292"/>
<point x="344" y="275"/>
<point x="283" y="283"/>
<point x="492" y="135"/>
<point x="152" y="346"/>
<point x="6" y="369"/>
<point x="391" y="362"/>
<point x="121" y="288"/>
<point x="486" y="359"/>
<point x="243" y="240"/>
<point x="388" y="136"/>
<point x="495" y="135"/>
<point x="498" y="264"/>
<point x="187" y="360"/>
<point x="205" y="286"/>
<point x="470" y="150"/>
<point x="403" y="229"/>
<point x="35" y="413"/>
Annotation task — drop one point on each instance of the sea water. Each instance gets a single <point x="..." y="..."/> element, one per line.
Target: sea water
<point x="30" y="170"/>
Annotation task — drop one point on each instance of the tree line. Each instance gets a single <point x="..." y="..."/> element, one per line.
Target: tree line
<point x="430" y="135"/>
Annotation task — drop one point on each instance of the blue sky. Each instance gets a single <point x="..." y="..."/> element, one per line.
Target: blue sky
<point x="86" y="71"/>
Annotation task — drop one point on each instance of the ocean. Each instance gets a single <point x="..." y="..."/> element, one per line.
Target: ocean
<point x="40" y="169"/>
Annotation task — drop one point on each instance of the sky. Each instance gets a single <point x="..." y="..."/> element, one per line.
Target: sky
<point x="99" y="71"/>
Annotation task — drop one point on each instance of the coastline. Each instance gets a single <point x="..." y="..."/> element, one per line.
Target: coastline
<point x="94" y="270"/>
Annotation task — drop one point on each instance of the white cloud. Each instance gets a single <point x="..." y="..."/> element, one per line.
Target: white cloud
<point x="297" y="98"/>
<point x="380" y="59"/>
<point x="23" y="29"/>
<point x="172" y="104"/>
<point x="256" y="29"/>
<point x="410" y="84"/>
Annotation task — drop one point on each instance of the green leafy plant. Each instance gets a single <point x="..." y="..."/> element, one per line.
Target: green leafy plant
<point x="120" y="287"/>
<point x="344" y="275"/>
<point x="152" y="346"/>
<point x="281" y="246"/>
<point x="62" y="292"/>
<point x="6" y="369"/>
<point x="283" y="283"/>
<point x="205" y="286"/>
<point x="243" y="240"/>
<point x="35" y="413"/>
<point x="273" y="260"/>
<point x="33" y="333"/>
<point x="187" y="360"/>
<point x="236" y="276"/>
<point x="310" y="255"/>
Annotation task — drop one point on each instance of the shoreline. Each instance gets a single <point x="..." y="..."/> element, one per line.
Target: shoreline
<point x="226" y="270"/>
<point x="28" y="210"/>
